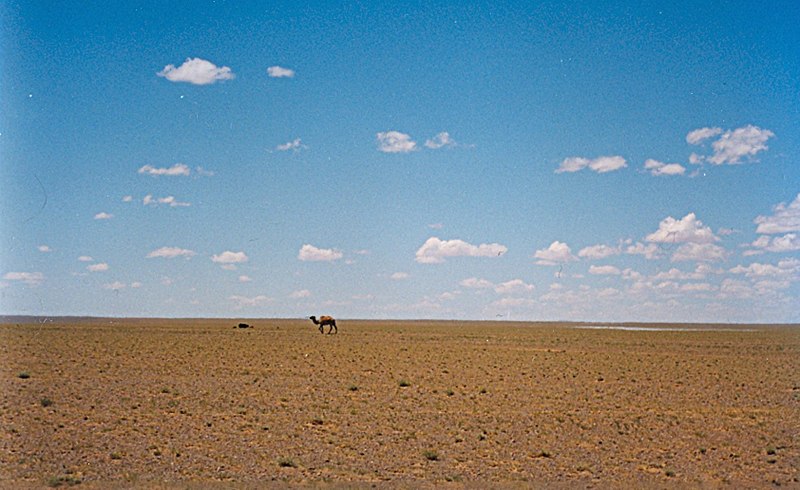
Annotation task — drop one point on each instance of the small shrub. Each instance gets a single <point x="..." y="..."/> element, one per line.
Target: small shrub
<point x="24" y="375"/>
<point x="46" y="402"/>
<point x="353" y="388"/>
<point x="771" y="451"/>
<point x="669" y="473"/>
<point x="431" y="455"/>
<point x="317" y="421"/>
<point x="116" y="456"/>
<point x="404" y="384"/>
<point x="450" y="393"/>
<point x="57" y="481"/>
<point x="286" y="463"/>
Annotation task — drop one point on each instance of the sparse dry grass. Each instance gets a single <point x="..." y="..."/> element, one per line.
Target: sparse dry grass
<point x="146" y="402"/>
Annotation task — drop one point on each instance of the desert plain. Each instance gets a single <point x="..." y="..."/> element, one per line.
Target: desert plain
<point x="164" y="403"/>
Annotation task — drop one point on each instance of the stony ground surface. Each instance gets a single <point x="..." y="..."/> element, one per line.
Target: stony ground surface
<point x="189" y="403"/>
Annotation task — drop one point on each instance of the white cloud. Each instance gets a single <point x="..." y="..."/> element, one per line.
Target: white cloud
<point x="127" y="199"/>
<point x="435" y="251"/>
<point x="149" y="200"/>
<point x="136" y="284"/>
<point x="100" y="267"/>
<point x="513" y="286"/>
<point x="785" y="269"/>
<point x="171" y="253"/>
<point x="395" y="142"/>
<point x="604" y="270"/>
<point x="310" y="253"/>
<point x="44" y="249"/>
<point x="658" y="168"/>
<point x="600" y="165"/>
<point x="436" y="226"/>
<point x="699" y="252"/>
<point x="785" y="218"/>
<point x="556" y="253"/>
<point x="103" y="215"/>
<point x="204" y="172"/>
<point x="399" y="276"/>
<point x="677" y="275"/>
<point x="440" y="140"/>
<point x="244" y="278"/>
<point x="228" y="257"/>
<point x="789" y="242"/>
<point x="688" y="229"/>
<point x="731" y="146"/>
<point x="114" y="286"/>
<point x="650" y="251"/>
<point x="294" y="145"/>
<point x="302" y="293"/>
<point x="598" y="252"/>
<point x="85" y="258"/>
<point x="196" y="71"/>
<point x="475" y="283"/>
<point x="243" y="301"/>
<point x="280" y="72"/>
<point x="699" y="135"/>
<point x="177" y="169"/>
<point x="29" y="278"/>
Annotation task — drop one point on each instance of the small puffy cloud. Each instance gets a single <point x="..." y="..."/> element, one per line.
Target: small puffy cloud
<point x="435" y="251"/>
<point x="556" y="253"/>
<point x="244" y="278"/>
<point x="115" y="286"/>
<point x="789" y="242"/>
<point x="399" y="276"/>
<point x="395" y="142"/>
<point x="44" y="249"/>
<point x="228" y="257"/>
<point x="441" y="140"/>
<point x="509" y="287"/>
<point x="650" y="251"/>
<point x="310" y="253"/>
<point x="604" y="270"/>
<point x="175" y="170"/>
<point x="699" y="135"/>
<point x="149" y="200"/>
<point x="136" y="284"/>
<point x="513" y="286"/>
<point x="302" y="293"/>
<point x="85" y="258"/>
<point x="658" y="168"/>
<point x="196" y="71"/>
<point x="699" y="252"/>
<point x="784" y="219"/>
<point x="29" y="278"/>
<point x="127" y="199"/>
<point x="475" y="283"/>
<point x="688" y="229"/>
<point x="100" y="267"/>
<point x="103" y="215"/>
<point x="294" y="145"/>
<point x="600" y="165"/>
<point x="171" y="253"/>
<point x="678" y="275"/>
<point x="280" y="72"/>
<point x="731" y="146"/>
<point x="598" y="252"/>
<point x="244" y="301"/>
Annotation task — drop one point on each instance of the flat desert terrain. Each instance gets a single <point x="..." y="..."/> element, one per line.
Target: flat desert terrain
<point x="104" y="403"/>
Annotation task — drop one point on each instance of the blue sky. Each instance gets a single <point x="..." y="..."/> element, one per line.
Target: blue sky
<point x="618" y="161"/>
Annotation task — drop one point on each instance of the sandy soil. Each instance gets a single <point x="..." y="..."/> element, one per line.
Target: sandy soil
<point x="150" y="403"/>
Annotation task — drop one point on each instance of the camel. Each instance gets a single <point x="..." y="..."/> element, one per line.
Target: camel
<point x="325" y="320"/>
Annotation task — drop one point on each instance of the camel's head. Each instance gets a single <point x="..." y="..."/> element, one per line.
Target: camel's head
<point x="312" y="318"/>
